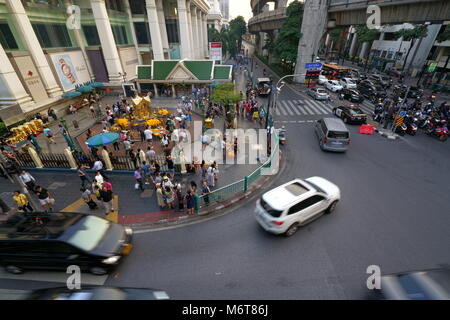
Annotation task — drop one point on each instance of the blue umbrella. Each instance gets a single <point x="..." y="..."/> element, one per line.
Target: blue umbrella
<point x="103" y="139"/>
<point x="71" y="94"/>
<point x="96" y="84"/>
<point x="85" y="89"/>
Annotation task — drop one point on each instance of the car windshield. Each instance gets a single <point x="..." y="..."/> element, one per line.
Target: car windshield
<point x="354" y="92"/>
<point x="354" y="111"/>
<point x="338" y="135"/>
<point x="274" y="213"/>
<point x="321" y="91"/>
<point x="88" y="232"/>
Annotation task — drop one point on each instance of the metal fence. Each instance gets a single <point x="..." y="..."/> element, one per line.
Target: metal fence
<point x="240" y="186"/>
<point x="25" y="160"/>
<point x="54" y="160"/>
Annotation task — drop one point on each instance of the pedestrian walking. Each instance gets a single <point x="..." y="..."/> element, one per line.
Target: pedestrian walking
<point x="179" y="196"/>
<point x="45" y="198"/>
<point x="52" y="113"/>
<point x="22" y="202"/>
<point x="83" y="176"/>
<point x="98" y="166"/>
<point x="206" y="191"/>
<point x="203" y="169"/>
<point x="28" y="180"/>
<point x="87" y="196"/>
<point x="107" y="184"/>
<point x="148" y="135"/>
<point x="159" y="196"/>
<point x="189" y="202"/>
<point x="146" y="172"/>
<point x="49" y="134"/>
<point x="150" y="154"/>
<point x="170" y="166"/>
<point x="107" y="198"/>
<point x="210" y="177"/>
<point x="138" y="177"/>
<point x="99" y="178"/>
<point x="170" y="197"/>
<point x="92" y="109"/>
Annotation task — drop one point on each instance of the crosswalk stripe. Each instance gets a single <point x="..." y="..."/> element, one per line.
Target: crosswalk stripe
<point x="294" y="107"/>
<point x="320" y="106"/>
<point x="286" y="107"/>
<point x="311" y="105"/>
<point x="60" y="277"/>
<point x="365" y="109"/>
<point x="277" y="110"/>
<point x="280" y="106"/>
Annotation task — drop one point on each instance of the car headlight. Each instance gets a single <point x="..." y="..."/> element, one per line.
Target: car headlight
<point x="128" y="231"/>
<point x="111" y="260"/>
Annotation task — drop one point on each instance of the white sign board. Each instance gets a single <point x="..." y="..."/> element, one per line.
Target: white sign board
<point x="71" y="68"/>
<point x="215" y="51"/>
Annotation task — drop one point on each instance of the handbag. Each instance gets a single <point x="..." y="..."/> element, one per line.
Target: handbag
<point x="136" y="186"/>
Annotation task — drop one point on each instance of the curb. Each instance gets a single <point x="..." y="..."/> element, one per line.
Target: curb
<point x="390" y="136"/>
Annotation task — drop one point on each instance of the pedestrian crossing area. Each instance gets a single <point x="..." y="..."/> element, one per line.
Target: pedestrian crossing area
<point x="309" y="107"/>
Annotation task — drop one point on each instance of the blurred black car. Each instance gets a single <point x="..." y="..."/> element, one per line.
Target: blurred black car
<point x="350" y="114"/>
<point x="415" y="92"/>
<point x="53" y="241"/>
<point x="380" y="80"/>
<point x="352" y="95"/>
<point x="371" y="91"/>
<point x="97" y="293"/>
<point x="433" y="284"/>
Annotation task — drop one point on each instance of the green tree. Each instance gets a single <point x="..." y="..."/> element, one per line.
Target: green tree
<point x="225" y="94"/>
<point x="418" y="32"/>
<point x="444" y="36"/>
<point x="238" y="27"/>
<point x="286" y="44"/>
<point x="365" y="34"/>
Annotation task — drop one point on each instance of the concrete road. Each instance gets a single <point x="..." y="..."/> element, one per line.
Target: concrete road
<point x="393" y="213"/>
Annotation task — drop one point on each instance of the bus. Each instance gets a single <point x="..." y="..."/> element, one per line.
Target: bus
<point x="335" y="72"/>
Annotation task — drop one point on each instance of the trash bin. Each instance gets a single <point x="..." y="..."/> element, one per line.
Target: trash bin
<point x="75" y="124"/>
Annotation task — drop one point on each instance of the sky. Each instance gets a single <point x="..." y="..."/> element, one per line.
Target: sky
<point x="242" y="7"/>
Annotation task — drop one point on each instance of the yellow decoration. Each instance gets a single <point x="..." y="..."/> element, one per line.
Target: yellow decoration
<point x="163" y="112"/>
<point x="123" y="122"/>
<point x="153" y="122"/>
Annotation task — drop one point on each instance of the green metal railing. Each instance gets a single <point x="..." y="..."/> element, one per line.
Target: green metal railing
<point x="240" y="186"/>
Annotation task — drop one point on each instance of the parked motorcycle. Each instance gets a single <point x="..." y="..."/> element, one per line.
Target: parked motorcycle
<point x="437" y="128"/>
<point x="401" y="129"/>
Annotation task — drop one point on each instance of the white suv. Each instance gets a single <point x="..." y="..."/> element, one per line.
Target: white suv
<point x="347" y="83"/>
<point x="283" y="209"/>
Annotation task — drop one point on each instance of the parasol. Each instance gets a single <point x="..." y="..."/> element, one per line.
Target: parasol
<point x="103" y="139"/>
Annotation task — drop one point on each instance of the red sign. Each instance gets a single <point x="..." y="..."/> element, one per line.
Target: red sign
<point x="216" y="44"/>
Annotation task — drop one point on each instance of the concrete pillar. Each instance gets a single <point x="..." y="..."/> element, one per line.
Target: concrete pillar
<point x="363" y="52"/>
<point x="200" y="35"/>
<point x="11" y="89"/>
<point x="353" y="45"/>
<point x="191" y="40"/>
<point x="205" y="35"/>
<point x="70" y="158"/>
<point x="155" y="33"/>
<point x="313" y="27"/>
<point x="22" y="23"/>
<point x="105" y="157"/>
<point x="174" y="95"/>
<point x="133" y="31"/>
<point x="195" y="33"/>
<point x="382" y="34"/>
<point x="156" y="90"/>
<point x="109" y="48"/>
<point x="37" y="161"/>
<point x="184" y="29"/>
<point x="162" y="24"/>
<point x="262" y="40"/>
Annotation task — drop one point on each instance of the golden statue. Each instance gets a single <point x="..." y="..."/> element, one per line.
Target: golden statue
<point x="142" y="109"/>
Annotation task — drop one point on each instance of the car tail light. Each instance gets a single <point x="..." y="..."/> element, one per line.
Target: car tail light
<point x="325" y="140"/>
<point x="278" y="223"/>
<point x="349" y="141"/>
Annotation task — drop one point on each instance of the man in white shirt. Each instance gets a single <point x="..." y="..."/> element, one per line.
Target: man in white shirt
<point x="148" y="135"/>
<point x="28" y="180"/>
<point x="98" y="166"/>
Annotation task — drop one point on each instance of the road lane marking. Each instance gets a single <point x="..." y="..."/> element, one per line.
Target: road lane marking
<point x="308" y="108"/>
<point x="296" y="110"/>
<point x="286" y="107"/>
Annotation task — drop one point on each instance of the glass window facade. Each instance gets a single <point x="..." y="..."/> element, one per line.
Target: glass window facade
<point x="142" y="32"/>
<point x="137" y="6"/>
<point x="91" y="35"/>
<point x="52" y="35"/>
<point x="7" y="38"/>
<point x="172" y="30"/>
<point x="120" y="34"/>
